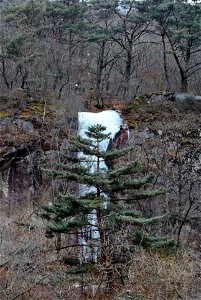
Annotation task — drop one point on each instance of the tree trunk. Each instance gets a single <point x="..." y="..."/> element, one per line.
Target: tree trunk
<point x="182" y="69"/>
<point x="100" y="66"/>
<point x="184" y="84"/>
<point x="103" y="256"/>
<point x="127" y="71"/>
<point x="4" y="74"/>
<point x="167" y="82"/>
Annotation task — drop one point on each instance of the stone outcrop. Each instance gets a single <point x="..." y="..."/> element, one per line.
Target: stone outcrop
<point x="180" y="97"/>
<point x="29" y="139"/>
<point x="166" y="135"/>
<point x="164" y="129"/>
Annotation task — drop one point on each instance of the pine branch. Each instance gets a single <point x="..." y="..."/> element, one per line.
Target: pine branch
<point x="130" y="168"/>
<point x="97" y="132"/>
<point x="87" y="150"/>
<point x="115" y="154"/>
<point x="140" y="221"/>
<point x="74" y="168"/>
<point x="66" y="226"/>
<point x="150" y="241"/>
<point x="131" y="213"/>
<point x="147" y="194"/>
<point x="118" y="185"/>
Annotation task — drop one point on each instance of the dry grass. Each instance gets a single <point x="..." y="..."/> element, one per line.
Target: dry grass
<point x="29" y="269"/>
<point x="153" y="276"/>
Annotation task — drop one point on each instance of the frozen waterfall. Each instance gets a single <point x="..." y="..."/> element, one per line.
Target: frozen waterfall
<point x="112" y="121"/>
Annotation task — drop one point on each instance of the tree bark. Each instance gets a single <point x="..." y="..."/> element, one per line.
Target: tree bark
<point x="100" y="66"/>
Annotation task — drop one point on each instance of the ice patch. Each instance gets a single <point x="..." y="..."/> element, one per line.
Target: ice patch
<point x="112" y="121"/>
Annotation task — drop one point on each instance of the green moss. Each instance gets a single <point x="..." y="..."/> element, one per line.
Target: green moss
<point x="48" y="114"/>
<point x="24" y="115"/>
<point x="131" y="124"/>
<point x="4" y="114"/>
<point x="36" y="107"/>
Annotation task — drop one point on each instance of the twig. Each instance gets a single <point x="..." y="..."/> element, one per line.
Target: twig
<point x="27" y="290"/>
<point x="44" y="112"/>
<point x="179" y="295"/>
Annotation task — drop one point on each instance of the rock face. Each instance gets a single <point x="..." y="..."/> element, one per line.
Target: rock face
<point x="164" y="129"/>
<point x="119" y="141"/>
<point x="182" y="97"/>
<point x="18" y="158"/>
<point x="25" y="177"/>
<point x="166" y="135"/>
<point x="28" y="140"/>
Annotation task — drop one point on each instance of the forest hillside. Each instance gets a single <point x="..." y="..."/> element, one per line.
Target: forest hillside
<point x="134" y="233"/>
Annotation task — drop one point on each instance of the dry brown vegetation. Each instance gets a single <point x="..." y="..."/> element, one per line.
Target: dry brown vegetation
<point x="30" y="268"/>
<point x="155" y="276"/>
<point x="69" y="77"/>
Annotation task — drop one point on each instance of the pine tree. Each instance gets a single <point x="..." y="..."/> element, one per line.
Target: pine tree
<point x="109" y="196"/>
<point x="20" y="47"/>
<point x="178" y="23"/>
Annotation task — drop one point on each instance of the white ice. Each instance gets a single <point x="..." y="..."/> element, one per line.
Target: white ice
<point x="112" y="121"/>
<point x="109" y="118"/>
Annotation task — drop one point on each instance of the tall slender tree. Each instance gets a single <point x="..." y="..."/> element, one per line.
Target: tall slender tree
<point x="107" y="198"/>
<point x="99" y="34"/>
<point x="65" y="23"/>
<point x="128" y="32"/>
<point x="20" y="45"/>
<point x="178" y="23"/>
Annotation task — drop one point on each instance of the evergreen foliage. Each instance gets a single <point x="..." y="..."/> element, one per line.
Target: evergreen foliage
<point x="179" y="23"/>
<point x="150" y="241"/>
<point x="114" y="33"/>
<point x="112" y="213"/>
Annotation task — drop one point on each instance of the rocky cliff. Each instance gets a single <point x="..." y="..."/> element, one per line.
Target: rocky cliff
<point x="166" y="132"/>
<point x="164" y="129"/>
<point x="30" y="137"/>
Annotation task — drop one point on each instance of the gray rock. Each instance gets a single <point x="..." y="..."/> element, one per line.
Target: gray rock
<point x="180" y="97"/>
<point x="6" y="121"/>
<point x="25" y="126"/>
